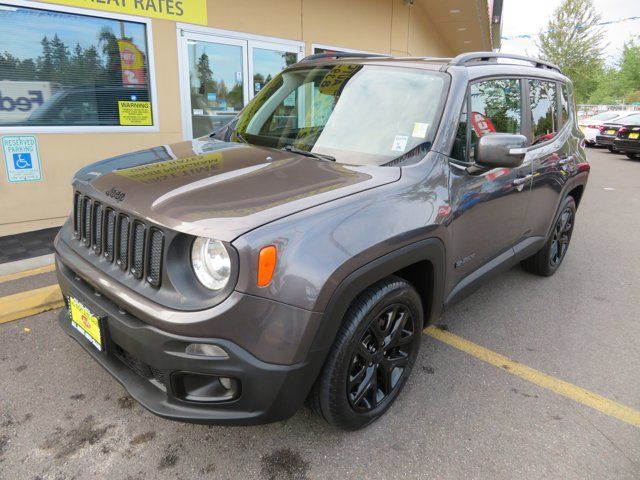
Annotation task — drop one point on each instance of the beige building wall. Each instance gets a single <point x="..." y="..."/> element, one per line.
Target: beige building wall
<point x="383" y="26"/>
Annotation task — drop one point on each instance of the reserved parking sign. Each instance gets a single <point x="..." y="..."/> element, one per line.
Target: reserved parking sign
<point x="21" y="159"/>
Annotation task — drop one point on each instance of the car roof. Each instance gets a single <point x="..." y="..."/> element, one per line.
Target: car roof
<point x="477" y="63"/>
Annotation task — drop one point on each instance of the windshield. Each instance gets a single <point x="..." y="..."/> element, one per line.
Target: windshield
<point x="358" y="114"/>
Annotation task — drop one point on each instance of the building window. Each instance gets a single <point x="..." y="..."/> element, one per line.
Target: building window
<point x="60" y="69"/>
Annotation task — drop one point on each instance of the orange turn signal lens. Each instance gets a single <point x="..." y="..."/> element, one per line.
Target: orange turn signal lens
<point x="266" y="265"/>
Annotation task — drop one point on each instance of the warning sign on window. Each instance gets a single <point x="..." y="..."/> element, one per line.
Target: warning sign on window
<point x="135" y="113"/>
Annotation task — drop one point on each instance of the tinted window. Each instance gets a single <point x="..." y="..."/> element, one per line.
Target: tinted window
<point x="459" y="150"/>
<point x="565" y="107"/>
<point x="544" y="117"/>
<point x="65" y="69"/>
<point x="495" y="107"/>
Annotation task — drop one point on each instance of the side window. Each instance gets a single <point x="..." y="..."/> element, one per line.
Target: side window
<point x="544" y="113"/>
<point x="564" y="109"/>
<point x="495" y="107"/>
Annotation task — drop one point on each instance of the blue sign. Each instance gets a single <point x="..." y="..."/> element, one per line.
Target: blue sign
<point x="22" y="161"/>
<point x="212" y="96"/>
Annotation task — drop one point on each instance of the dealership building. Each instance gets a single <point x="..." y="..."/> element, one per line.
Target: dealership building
<point x="83" y="80"/>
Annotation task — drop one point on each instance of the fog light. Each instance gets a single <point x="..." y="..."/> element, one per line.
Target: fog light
<point x="206" y="350"/>
<point x="205" y="388"/>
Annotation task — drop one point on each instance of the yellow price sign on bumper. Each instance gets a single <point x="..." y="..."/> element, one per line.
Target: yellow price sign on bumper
<point x="85" y="322"/>
<point x="135" y="113"/>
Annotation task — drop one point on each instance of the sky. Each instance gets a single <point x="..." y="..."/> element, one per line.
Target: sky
<point x="519" y="17"/>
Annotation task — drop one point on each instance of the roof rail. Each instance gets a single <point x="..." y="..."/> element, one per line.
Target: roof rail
<point x="479" y="57"/>
<point x="318" y="56"/>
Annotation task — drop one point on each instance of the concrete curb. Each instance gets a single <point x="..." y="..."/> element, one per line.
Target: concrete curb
<point x="26" y="264"/>
<point x="32" y="302"/>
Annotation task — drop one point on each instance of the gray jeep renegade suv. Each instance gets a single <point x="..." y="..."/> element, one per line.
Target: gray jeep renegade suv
<point x="298" y="252"/>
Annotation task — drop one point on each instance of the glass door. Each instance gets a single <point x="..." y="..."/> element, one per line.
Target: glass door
<point x="219" y="74"/>
<point x="267" y="59"/>
<point x="216" y="89"/>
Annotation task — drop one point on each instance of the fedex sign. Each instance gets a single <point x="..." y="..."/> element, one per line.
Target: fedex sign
<point x="18" y="100"/>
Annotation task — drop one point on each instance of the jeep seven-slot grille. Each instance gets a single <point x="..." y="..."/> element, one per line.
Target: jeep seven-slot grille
<point x="128" y="242"/>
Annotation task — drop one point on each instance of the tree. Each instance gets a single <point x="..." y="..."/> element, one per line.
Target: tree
<point x="45" y="62"/>
<point x="111" y="50"/>
<point x="630" y="70"/>
<point x="573" y="41"/>
<point x="205" y="75"/>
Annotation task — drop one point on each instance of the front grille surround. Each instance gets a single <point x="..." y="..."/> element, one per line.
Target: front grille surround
<point x="136" y="248"/>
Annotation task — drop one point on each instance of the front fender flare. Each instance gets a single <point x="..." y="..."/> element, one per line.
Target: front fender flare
<point x="431" y="250"/>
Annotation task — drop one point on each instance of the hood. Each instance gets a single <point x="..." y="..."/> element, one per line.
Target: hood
<point x="221" y="190"/>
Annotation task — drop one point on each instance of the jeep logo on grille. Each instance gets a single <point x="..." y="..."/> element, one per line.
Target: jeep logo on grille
<point x="116" y="194"/>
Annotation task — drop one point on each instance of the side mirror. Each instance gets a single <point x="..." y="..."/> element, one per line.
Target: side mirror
<point x="501" y="150"/>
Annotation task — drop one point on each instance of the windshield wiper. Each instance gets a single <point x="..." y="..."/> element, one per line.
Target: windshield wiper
<point x="317" y="156"/>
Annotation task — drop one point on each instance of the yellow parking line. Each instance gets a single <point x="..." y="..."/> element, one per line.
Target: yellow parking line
<point x="590" y="399"/>
<point x="27" y="273"/>
<point x="25" y="304"/>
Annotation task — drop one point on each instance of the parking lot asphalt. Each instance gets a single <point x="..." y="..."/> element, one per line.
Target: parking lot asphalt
<point x="63" y="417"/>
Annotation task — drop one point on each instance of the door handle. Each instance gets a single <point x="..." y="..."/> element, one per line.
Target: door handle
<point x="522" y="180"/>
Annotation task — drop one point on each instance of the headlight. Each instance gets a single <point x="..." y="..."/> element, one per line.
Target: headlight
<point x="211" y="262"/>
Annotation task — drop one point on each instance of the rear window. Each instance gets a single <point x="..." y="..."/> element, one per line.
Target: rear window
<point x="631" y="120"/>
<point x="605" y="116"/>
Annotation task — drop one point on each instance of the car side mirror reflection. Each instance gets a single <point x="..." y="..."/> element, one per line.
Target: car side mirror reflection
<point x="501" y="150"/>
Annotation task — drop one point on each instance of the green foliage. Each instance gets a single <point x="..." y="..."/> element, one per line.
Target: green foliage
<point x="573" y="41"/>
<point x="630" y="71"/>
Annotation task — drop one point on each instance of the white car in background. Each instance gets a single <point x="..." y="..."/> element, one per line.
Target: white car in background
<point x="591" y="126"/>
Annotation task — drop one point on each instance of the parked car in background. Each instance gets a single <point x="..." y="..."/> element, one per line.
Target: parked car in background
<point x="627" y="140"/>
<point x="609" y="130"/>
<point x="591" y="126"/>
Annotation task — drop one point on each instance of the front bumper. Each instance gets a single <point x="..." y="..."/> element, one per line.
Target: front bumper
<point x="627" y="146"/>
<point x="149" y="362"/>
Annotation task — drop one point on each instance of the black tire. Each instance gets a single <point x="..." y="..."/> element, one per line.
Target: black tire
<point x="633" y="156"/>
<point x="341" y="394"/>
<point x="549" y="258"/>
<point x="611" y="148"/>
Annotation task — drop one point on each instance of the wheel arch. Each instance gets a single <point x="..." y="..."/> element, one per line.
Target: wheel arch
<point x="422" y="264"/>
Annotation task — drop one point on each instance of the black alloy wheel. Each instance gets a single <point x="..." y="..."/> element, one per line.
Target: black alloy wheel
<point x="380" y="358"/>
<point x="548" y="259"/>
<point x="561" y="237"/>
<point x="372" y="356"/>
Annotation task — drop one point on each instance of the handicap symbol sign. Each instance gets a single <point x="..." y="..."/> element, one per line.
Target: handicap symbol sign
<point x="21" y="158"/>
<point x="22" y="161"/>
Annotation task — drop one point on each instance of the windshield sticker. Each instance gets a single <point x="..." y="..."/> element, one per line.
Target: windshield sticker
<point x="400" y="143"/>
<point x="420" y="130"/>
<point x="336" y="78"/>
